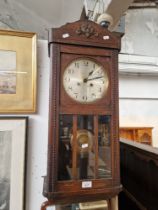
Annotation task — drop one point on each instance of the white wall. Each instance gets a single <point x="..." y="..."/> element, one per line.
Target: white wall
<point x="139" y="71"/>
<point x="140" y="109"/>
<point x="138" y="84"/>
<point x="38" y="134"/>
<point x="38" y="15"/>
<point x="141" y="33"/>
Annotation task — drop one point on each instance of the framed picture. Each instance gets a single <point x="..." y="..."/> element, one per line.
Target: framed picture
<point x="17" y="72"/>
<point x="12" y="162"/>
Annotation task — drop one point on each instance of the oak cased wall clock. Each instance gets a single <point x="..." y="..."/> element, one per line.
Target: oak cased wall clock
<point x="83" y="145"/>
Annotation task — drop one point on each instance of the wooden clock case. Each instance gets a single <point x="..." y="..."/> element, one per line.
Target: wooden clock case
<point x="71" y="41"/>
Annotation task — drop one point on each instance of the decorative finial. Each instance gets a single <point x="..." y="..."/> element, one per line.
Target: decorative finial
<point x="105" y="20"/>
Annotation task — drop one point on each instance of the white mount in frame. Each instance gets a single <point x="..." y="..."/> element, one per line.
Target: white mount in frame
<point x="12" y="162"/>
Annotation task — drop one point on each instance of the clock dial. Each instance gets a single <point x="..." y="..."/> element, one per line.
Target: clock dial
<point x="85" y="80"/>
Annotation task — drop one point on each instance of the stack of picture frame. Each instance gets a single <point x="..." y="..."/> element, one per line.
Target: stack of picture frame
<point x="18" y="70"/>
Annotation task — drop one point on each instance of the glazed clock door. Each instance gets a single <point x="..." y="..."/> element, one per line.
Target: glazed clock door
<point x="84" y="147"/>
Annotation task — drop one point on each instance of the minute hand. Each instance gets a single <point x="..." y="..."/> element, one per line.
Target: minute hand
<point x="94" y="78"/>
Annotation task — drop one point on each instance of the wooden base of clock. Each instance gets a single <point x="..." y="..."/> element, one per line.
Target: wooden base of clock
<point x="83" y="196"/>
<point x="65" y="198"/>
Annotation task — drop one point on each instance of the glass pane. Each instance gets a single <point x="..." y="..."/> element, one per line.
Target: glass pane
<point x="65" y="152"/>
<point x="79" y="163"/>
<point x="85" y="143"/>
<point x="104" y="147"/>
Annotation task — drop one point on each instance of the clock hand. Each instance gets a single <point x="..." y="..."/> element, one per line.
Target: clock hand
<point x="94" y="70"/>
<point x="90" y="73"/>
<point x="86" y="79"/>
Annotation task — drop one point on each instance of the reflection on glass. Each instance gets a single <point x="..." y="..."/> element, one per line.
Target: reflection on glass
<point x="65" y="152"/>
<point x="78" y="143"/>
<point x="85" y="144"/>
<point x="104" y="147"/>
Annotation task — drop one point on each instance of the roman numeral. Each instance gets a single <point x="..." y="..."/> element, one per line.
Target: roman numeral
<point x="77" y="65"/>
<point x="85" y="63"/>
<point x="70" y="71"/>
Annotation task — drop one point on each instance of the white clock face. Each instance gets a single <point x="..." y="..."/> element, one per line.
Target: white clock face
<point x="85" y="80"/>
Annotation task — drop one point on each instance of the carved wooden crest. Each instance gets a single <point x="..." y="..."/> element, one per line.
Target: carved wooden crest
<point x="85" y="33"/>
<point x="87" y="29"/>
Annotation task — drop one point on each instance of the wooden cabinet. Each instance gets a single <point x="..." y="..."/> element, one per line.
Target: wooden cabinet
<point x="139" y="134"/>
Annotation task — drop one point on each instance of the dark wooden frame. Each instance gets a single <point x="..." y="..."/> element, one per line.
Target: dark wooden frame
<point x="80" y="44"/>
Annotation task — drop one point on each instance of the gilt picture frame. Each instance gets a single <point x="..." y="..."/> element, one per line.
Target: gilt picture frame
<point x="13" y="132"/>
<point x="18" y="69"/>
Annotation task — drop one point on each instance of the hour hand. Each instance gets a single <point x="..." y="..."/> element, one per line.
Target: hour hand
<point x="90" y="73"/>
